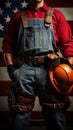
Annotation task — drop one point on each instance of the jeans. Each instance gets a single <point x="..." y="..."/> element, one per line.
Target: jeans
<point x="55" y="120"/>
<point x="33" y="81"/>
<point x="20" y="121"/>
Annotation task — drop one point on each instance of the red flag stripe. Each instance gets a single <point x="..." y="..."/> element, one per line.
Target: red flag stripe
<point x="60" y="3"/>
<point x="4" y="88"/>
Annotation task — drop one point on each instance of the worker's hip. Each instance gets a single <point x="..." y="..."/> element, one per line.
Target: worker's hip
<point x="27" y="82"/>
<point x="30" y="79"/>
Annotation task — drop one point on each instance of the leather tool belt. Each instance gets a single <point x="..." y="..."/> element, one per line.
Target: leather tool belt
<point x="35" y="60"/>
<point x="21" y="108"/>
<point x="19" y="103"/>
<point x="55" y="106"/>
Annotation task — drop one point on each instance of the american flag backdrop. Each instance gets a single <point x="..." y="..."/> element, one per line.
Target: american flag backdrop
<point x="7" y="8"/>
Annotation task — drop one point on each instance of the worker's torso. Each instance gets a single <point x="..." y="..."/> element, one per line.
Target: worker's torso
<point x="36" y="39"/>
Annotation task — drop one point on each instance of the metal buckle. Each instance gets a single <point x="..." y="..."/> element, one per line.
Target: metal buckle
<point x="39" y="60"/>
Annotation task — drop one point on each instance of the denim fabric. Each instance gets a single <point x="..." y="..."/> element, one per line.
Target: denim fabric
<point x="33" y="81"/>
<point x="30" y="79"/>
<point x="20" y="121"/>
<point x="55" y="120"/>
<point x="36" y="38"/>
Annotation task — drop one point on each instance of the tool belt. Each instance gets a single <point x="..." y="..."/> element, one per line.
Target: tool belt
<point x="21" y="108"/>
<point x="55" y="103"/>
<point x="36" y="60"/>
<point x="55" y="106"/>
<point x="24" y="104"/>
<point x="18" y="102"/>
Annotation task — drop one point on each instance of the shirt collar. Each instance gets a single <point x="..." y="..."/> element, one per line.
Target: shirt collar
<point x="45" y="7"/>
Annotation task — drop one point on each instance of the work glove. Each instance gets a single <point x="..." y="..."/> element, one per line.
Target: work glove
<point x="10" y="70"/>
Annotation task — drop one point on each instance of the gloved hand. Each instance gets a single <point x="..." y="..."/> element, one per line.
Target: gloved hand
<point x="10" y="70"/>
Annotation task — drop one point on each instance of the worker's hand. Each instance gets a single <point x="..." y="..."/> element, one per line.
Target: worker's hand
<point x="70" y="59"/>
<point x="52" y="56"/>
<point x="10" y="70"/>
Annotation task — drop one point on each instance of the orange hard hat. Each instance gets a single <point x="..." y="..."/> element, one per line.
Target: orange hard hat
<point x="61" y="75"/>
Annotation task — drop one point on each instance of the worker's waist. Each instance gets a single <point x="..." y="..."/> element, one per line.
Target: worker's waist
<point x="36" y="60"/>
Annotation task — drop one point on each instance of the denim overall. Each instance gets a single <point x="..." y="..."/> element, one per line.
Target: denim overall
<point x="32" y="79"/>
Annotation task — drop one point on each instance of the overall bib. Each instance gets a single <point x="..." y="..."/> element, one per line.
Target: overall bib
<point x="30" y="80"/>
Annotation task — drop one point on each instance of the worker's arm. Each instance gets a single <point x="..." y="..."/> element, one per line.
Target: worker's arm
<point x="9" y="63"/>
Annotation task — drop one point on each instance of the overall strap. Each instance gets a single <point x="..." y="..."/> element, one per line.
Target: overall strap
<point x="24" y="18"/>
<point x="48" y="18"/>
<point x="47" y="22"/>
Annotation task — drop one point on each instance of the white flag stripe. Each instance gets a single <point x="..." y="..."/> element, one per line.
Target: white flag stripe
<point x="71" y="107"/>
<point x="37" y="107"/>
<point x="4" y="103"/>
<point x="3" y="74"/>
<point x="68" y="13"/>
